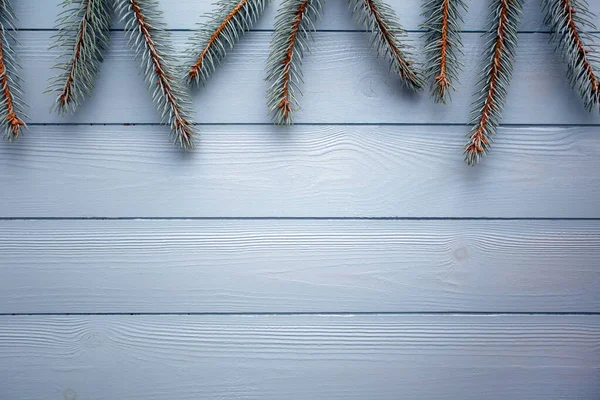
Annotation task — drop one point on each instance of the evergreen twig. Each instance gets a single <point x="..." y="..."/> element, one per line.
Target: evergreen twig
<point x="386" y="33"/>
<point x="83" y="34"/>
<point x="443" y="44"/>
<point x="149" y="40"/>
<point x="293" y="23"/>
<point x="495" y="77"/>
<point x="568" y="21"/>
<point x="224" y="28"/>
<point x="11" y="106"/>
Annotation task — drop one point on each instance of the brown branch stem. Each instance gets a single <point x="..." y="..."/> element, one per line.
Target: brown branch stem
<point x="478" y="139"/>
<point x="581" y="50"/>
<point x="179" y="123"/>
<point x="66" y="94"/>
<point x="195" y="69"/>
<point x="388" y="36"/>
<point x="15" y="123"/>
<point x="285" y="103"/>
<point x="442" y="80"/>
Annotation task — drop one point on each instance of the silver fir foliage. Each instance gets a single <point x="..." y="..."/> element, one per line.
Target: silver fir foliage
<point x="150" y="42"/>
<point x="389" y="38"/>
<point x="11" y="104"/>
<point x="294" y="21"/>
<point x="495" y="77"/>
<point x="223" y="29"/>
<point x="443" y="45"/>
<point x="83" y="35"/>
<point x="570" y="22"/>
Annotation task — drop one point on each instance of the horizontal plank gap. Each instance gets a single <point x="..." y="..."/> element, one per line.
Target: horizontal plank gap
<point x="424" y="313"/>
<point x="441" y="124"/>
<point x="293" y="219"/>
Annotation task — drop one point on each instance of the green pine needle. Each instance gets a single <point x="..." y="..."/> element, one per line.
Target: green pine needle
<point x="83" y="35"/>
<point x="389" y="38"/>
<point x="294" y="21"/>
<point x="222" y="31"/>
<point x="11" y="105"/>
<point x="495" y="77"/>
<point x="443" y="45"/>
<point x="150" y="43"/>
<point x="568" y="21"/>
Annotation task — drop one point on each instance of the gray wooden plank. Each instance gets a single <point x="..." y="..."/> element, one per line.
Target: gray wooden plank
<point x="41" y="14"/>
<point x="300" y="357"/>
<point x="344" y="83"/>
<point x="299" y="266"/>
<point x="309" y="171"/>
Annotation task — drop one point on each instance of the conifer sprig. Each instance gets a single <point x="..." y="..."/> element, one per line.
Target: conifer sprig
<point x="443" y="45"/>
<point x="149" y="40"/>
<point x="568" y="21"/>
<point x="495" y="77"/>
<point x="83" y="35"/>
<point x="224" y="28"/>
<point x="11" y="106"/>
<point x="388" y="36"/>
<point x="294" y="21"/>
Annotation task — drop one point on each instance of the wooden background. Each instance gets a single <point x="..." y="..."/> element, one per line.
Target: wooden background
<point x="352" y="256"/>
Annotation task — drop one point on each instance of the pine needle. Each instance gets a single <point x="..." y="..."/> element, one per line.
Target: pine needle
<point x="223" y="30"/>
<point x="83" y="35"/>
<point x="11" y="106"/>
<point x="495" y="77"/>
<point x="386" y="33"/>
<point x="294" y="21"/>
<point x="568" y="21"/>
<point x="149" y="40"/>
<point x="443" y="45"/>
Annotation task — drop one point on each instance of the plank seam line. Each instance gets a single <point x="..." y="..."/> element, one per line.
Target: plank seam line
<point x="408" y="124"/>
<point x="224" y="218"/>
<point x="374" y="313"/>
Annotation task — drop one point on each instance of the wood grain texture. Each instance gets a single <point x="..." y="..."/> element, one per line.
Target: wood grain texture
<point x="364" y="90"/>
<point x="299" y="266"/>
<point x="41" y="14"/>
<point x="364" y="148"/>
<point x="306" y="171"/>
<point x="300" y="357"/>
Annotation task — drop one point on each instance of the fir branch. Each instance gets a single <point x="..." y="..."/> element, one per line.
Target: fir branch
<point x="83" y="34"/>
<point x="11" y="109"/>
<point x="225" y="27"/>
<point x="149" y="39"/>
<point x="505" y="15"/>
<point x="293" y="23"/>
<point x="381" y="20"/>
<point x="442" y="44"/>
<point x="568" y="20"/>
